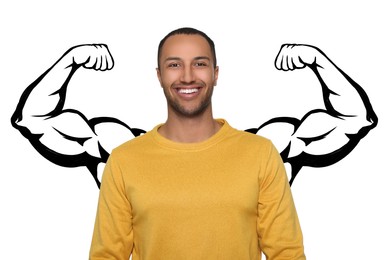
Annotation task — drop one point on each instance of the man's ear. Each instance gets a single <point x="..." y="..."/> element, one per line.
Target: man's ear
<point x="216" y="75"/>
<point x="159" y="76"/>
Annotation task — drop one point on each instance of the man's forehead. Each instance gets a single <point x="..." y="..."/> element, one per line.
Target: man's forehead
<point x="185" y="45"/>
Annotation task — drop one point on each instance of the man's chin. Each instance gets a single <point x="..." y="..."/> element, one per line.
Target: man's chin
<point x="189" y="112"/>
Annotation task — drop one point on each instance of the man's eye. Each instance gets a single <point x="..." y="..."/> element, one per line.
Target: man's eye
<point x="173" y="65"/>
<point x="200" y="64"/>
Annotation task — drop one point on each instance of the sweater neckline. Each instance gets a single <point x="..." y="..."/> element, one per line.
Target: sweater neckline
<point x="214" y="139"/>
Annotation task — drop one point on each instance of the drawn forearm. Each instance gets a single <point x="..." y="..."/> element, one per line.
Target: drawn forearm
<point x="46" y="95"/>
<point x="341" y="94"/>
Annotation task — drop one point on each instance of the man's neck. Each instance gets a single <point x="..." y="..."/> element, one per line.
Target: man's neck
<point x="189" y="129"/>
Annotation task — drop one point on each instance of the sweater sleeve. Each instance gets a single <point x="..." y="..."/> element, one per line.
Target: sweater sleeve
<point x="278" y="228"/>
<point x="113" y="234"/>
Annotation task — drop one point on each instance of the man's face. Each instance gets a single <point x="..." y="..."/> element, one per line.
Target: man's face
<point x="187" y="74"/>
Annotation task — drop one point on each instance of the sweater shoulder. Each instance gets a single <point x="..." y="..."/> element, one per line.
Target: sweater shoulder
<point x="129" y="146"/>
<point x="252" y="138"/>
<point x="254" y="144"/>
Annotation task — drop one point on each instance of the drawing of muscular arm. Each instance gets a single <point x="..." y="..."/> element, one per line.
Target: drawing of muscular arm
<point x="323" y="136"/>
<point x="65" y="136"/>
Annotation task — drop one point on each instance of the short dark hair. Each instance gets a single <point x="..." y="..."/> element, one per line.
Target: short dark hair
<point x="188" y="31"/>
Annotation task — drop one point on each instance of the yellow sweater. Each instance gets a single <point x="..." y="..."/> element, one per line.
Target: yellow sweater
<point x="225" y="198"/>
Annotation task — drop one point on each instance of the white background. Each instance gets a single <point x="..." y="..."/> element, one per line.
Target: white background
<point x="47" y="211"/>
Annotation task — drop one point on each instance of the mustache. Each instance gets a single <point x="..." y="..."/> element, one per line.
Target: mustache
<point x="191" y="84"/>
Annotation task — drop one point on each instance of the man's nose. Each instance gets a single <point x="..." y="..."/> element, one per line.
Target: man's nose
<point x="187" y="75"/>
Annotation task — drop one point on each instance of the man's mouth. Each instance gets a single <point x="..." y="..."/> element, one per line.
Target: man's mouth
<point x="188" y="90"/>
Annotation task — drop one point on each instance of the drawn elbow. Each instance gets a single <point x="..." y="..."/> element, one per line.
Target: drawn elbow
<point x="16" y="119"/>
<point x="22" y="123"/>
<point x="372" y="119"/>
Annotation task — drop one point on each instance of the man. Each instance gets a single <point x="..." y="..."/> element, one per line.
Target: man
<point x="194" y="187"/>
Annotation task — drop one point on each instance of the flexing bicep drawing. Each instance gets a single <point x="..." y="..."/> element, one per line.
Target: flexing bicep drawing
<point x="67" y="138"/>
<point x="321" y="137"/>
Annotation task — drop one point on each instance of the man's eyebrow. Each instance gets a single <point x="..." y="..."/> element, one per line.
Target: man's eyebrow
<point x="179" y="59"/>
<point x="172" y="58"/>
<point x="202" y="58"/>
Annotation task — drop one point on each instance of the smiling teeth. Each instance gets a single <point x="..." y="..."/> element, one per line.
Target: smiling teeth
<point x="188" y="91"/>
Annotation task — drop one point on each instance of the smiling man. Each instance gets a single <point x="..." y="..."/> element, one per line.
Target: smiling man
<point x="188" y="73"/>
<point x="194" y="187"/>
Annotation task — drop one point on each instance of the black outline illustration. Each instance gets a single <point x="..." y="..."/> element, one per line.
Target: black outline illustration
<point x="41" y="118"/>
